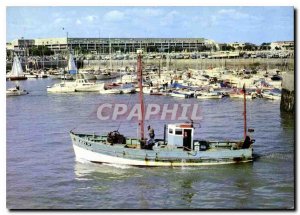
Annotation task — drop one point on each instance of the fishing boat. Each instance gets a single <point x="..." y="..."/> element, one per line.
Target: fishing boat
<point x="178" y="148"/>
<point x="16" y="72"/>
<point x="16" y="91"/>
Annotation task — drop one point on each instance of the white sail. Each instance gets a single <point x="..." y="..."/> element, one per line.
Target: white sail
<point x="16" y="68"/>
<point x="71" y="65"/>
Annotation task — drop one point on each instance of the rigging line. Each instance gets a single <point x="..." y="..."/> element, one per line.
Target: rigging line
<point x="90" y="115"/>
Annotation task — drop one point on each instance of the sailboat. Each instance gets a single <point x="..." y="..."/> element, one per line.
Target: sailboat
<point x="65" y="87"/>
<point x="16" y="71"/>
<point x="178" y="148"/>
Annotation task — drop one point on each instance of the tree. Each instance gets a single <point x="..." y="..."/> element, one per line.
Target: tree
<point x="249" y="47"/>
<point x="40" y="50"/>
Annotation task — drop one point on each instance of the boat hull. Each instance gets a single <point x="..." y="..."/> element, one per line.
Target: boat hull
<point x="271" y="97"/>
<point x="179" y="95"/>
<point x="16" y="93"/>
<point x="60" y="89"/>
<point x="110" y="91"/>
<point x="95" y="152"/>
<point x="241" y="96"/>
<point x="89" y="88"/>
<point x="17" y="78"/>
<point x="209" y="96"/>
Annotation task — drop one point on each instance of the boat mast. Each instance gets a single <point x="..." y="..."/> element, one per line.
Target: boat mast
<point x="141" y="97"/>
<point x="245" y="112"/>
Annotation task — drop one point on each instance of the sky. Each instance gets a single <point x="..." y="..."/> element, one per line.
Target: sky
<point x="221" y="24"/>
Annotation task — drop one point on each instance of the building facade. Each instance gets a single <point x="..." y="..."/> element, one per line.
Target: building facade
<point x="105" y="45"/>
<point x="282" y="45"/>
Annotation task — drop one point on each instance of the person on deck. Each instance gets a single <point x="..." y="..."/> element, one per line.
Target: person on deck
<point x="150" y="141"/>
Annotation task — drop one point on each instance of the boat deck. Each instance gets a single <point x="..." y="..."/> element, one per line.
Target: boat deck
<point x="134" y="143"/>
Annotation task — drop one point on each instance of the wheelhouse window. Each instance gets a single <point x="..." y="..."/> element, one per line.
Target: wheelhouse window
<point x="170" y="131"/>
<point x="178" y="131"/>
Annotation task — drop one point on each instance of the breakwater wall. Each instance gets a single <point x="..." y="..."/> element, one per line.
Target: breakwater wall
<point x="287" y="103"/>
<point x="263" y="63"/>
<point x="239" y="63"/>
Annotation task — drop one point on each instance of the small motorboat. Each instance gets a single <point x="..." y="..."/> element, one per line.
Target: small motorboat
<point x="179" y="95"/>
<point x="16" y="91"/>
<point x="209" y="95"/>
<point x="271" y="94"/>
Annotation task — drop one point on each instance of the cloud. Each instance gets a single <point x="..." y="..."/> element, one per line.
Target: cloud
<point x="58" y="20"/>
<point x="226" y="11"/>
<point x="234" y="14"/>
<point x="78" y="22"/>
<point x="151" y="12"/>
<point x="114" y="16"/>
<point x="169" y="18"/>
<point x="91" y="18"/>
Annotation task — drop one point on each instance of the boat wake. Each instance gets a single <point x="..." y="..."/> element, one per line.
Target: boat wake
<point x="275" y="156"/>
<point x="118" y="166"/>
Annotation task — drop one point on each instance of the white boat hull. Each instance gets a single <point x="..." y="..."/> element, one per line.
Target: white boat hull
<point x="271" y="97"/>
<point x="89" y="88"/>
<point x="83" y="155"/>
<point x="16" y="93"/>
<point x="241" y="96"/>
<point x="178" y="95"/>
<point x="31" y="76"/>
<point x="209" y="96"/>
<point x="60" y="89"/>
<point x="110" y="91"/>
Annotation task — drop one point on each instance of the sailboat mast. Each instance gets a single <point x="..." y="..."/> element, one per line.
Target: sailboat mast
<point x="245" y="113"/>
<point x="110" y="62"/>
<point x="141" y="97"/>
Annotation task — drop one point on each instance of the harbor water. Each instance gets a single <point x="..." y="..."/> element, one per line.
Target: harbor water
<point x="42" y="172"/>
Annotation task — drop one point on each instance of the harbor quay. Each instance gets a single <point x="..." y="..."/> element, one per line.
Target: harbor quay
<point x="238" y="63"/>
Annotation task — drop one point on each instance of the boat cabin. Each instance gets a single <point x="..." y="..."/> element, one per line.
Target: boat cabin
<point x="81" y="81"/>
<point x="181" y="135"/>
